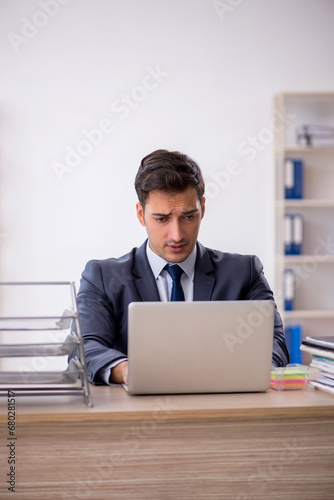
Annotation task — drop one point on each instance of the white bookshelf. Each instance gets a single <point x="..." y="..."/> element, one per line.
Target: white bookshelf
<point x="314" y="299"/>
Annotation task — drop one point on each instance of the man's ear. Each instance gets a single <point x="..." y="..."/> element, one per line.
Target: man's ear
<point x="140" y="214"/>
<point x="203" y="207"/>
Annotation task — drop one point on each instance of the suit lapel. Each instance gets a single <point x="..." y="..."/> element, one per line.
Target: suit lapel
<point x="204" y="279"/>
<point x="144" y="279"/>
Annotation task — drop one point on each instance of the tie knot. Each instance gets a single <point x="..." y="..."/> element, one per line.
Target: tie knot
<point x="175" y="271"/>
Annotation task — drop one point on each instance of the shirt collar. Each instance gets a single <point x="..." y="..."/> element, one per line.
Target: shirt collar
<point x="157" y="263"/>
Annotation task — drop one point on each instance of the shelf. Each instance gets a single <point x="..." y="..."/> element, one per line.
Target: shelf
<point x="307" y="95"/>
<point x="306" y="149"/>
<point x="299" y="259"/>
<point x="304" y="203"/>
<point x="312" y="287"/>
<point x="305" y="314"/>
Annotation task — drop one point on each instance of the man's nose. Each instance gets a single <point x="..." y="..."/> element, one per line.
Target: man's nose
<point x="175" y="231"/>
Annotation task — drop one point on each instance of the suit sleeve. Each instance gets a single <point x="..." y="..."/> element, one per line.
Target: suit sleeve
<point x="259" y="289"/>
<point x="97" y="321"/>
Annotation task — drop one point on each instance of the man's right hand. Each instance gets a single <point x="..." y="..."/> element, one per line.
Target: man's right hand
<point x="119" y="374"/>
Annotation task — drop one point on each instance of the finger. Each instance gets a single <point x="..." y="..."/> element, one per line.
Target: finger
<point x="125" y="377"/>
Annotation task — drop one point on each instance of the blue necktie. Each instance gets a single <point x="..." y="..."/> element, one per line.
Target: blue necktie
<point x="175" y="272"/>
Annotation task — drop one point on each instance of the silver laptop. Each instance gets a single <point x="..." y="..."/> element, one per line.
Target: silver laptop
<point x="200" y="347"/>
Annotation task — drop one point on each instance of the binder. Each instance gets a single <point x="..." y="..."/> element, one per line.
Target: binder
<point x="293" y="234"/>
<point x="297" y="234"/>
<point x="293" y="338"/>
<point x="293" y="178"/>
<point x="298" y="178"/>
<point x="289" y="178"/>
<point x="288" y="234"/>
<point x="289" y="289"/>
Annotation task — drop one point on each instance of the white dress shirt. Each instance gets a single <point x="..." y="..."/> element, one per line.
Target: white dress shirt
<point x="164" y="280"/>
<point x="164" y="284"/>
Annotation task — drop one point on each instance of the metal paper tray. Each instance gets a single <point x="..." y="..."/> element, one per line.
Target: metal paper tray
<point x="54" y="349"/>
<point x="65" y="377"/>
<point x="38" y="323"/>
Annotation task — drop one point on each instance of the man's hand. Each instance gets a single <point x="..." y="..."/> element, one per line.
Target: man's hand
<point x="119" y="374"/>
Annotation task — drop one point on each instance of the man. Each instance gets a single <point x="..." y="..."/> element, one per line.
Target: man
<point x="171" y="205"/>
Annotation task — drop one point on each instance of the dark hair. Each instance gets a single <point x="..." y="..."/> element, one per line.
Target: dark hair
<point x="168" y="171"/>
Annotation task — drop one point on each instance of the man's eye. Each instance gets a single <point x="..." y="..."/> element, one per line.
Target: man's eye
<point x="190" y="217"/>
<point x="161" y="219"/>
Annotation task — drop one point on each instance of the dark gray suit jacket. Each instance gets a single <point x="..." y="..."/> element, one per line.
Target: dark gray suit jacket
<point x="108" y="286"/>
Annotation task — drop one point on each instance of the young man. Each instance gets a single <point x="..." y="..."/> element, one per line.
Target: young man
<point x="171" y="205"/>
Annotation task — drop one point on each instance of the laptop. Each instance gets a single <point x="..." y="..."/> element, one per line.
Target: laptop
<point x="200" y="347"/>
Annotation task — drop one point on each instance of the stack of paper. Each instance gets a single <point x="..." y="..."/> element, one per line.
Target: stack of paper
<point x="322" y="351"/>
<point x="315" y="135"/>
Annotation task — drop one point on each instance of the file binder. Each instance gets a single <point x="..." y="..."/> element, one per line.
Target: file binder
<point x="289" y="289"/>
<point x="293" y="178"/>
<point x="293" y="234"/>
<point x="289" y="176"/>
<point x="297" y="234"/>
<point x="288" y="234"/>
<point x="293" y="338"/>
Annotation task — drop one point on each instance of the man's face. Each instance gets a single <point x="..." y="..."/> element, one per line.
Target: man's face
<point x="172" y="222"/>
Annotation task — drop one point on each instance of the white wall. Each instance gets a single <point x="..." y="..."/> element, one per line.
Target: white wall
<point x="219" y="74"/>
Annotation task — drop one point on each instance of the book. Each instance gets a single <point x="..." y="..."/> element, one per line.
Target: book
<point x="317" y="351"/>
<point x="318" y="384"/>
<point x="325" y="381"/>
<point x="321" y="341"/>
<point x="317" y="346"/>
<point x="323" y="364"/>
<point x="326" y="375"/>
<point x="322" y="351"/>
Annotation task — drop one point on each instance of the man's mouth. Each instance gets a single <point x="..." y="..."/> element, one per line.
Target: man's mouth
<point x="176" y="248"/>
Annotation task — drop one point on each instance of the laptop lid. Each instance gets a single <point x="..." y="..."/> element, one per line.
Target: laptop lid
<point x="200" y="347"/>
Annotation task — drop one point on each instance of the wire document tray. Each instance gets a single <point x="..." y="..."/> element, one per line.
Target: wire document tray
<point x="39" y="329"/>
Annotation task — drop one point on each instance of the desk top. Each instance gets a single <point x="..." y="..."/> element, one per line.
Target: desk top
<point x="115" y="404"/>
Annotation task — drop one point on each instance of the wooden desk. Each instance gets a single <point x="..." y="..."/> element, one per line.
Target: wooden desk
<point x="276" y="445"/>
